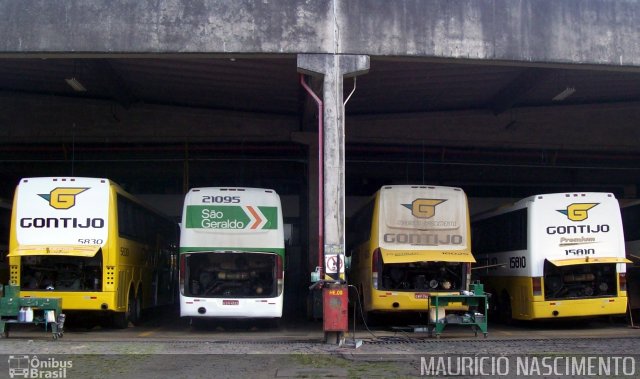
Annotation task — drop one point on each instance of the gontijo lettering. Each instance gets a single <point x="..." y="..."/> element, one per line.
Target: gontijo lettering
<point x="61" y="222"/>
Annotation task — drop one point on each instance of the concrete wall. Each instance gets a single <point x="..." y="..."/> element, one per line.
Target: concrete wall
<point x="600" y="32"/>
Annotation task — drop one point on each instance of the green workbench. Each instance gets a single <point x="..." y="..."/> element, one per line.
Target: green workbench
<point x="475" y="317"/>
<point x="11" y="303"/>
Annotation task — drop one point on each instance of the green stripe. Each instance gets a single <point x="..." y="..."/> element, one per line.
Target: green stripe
<point x="279" y="251"/>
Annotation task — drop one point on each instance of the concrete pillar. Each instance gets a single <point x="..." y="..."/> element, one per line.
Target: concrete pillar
<point x="334" y="68"/>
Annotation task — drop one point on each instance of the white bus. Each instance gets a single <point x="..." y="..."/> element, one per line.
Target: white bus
<point x="553" y="256"/>
<point x="231" y="254"/>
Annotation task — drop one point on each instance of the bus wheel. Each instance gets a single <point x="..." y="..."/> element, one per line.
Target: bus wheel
<point x="136" y="312"/>
<point x="121" y="319"/>
<point x="505" y="311"/>
<point x="494" y="308"/>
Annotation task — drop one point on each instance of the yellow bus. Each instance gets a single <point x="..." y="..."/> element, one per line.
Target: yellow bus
<point x="407" y="243"/>
<point x="89" y="242"/>
<point x="553" y="256"/>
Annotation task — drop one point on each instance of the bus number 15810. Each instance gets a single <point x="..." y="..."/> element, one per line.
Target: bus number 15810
<point x="517" y="262"/>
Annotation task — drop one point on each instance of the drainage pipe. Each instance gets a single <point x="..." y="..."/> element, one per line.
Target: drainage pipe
<point x="320" y="175"/>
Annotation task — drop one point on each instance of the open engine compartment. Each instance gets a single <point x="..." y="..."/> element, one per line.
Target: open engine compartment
<point x="61" y="273"/>
<point x="579" y="281"/>
<point x="230" y="274"/>
<point x="423" y="276"/>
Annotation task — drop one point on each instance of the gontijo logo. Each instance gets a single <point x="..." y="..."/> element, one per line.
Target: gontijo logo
<point x="424" y="208"/>
<point x="577" y="211"/>
<point x="63" y="197"/>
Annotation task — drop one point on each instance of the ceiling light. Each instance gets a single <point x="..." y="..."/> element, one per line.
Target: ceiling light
<point x="75" y="84"/>
<point x="564" y="94"/>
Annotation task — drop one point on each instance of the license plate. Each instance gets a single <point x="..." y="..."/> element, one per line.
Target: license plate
<point x="230" y="302"/>
<point x="422" y="296"/>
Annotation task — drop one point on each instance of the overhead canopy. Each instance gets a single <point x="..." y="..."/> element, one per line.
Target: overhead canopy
<point x="72" y="250"/>
<point x="409" y="256"/>
<point x="588" y="260"/>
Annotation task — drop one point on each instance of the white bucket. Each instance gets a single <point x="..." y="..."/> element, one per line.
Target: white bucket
<point x="28" y="315"/>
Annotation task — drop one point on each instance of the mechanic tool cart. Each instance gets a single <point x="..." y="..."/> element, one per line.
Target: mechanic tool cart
<point x="476" y="316"/>
<point x="30" y="310"/>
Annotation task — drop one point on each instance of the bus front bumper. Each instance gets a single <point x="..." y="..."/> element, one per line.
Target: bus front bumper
<point x="396" y="301"/>
<point x="78" y="301"/>
<point x="233" y="308"/>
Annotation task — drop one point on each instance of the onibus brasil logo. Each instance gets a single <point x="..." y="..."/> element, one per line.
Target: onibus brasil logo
<point x="424" y="208"/>
<point x="577" y="211"/>
<point x="24" y="366"/>
<point x="62" y="197"/>
<point x="247" y="217"/>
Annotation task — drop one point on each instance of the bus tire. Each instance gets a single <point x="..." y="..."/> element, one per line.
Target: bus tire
<point x="136" y="314"/>
<point x="121" y="319"/>
<point x="494" y="307"/>
<point x="505" y="311"/>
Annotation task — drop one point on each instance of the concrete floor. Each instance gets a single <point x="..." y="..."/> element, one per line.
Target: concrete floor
<point x="166" y="346"/>
<point x="165" y="325"/>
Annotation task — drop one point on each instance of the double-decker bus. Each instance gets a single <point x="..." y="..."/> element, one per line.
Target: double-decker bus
<point x="90" y="243"/>
<point x="553" y="256"/>
<point x="231" y="254"/>
<point x="407" y="243"/>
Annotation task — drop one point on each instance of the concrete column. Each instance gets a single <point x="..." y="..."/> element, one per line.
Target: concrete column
<point x="334" y="68"/>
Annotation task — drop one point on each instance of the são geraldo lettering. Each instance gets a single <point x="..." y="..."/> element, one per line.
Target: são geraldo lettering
<point x="211" y="219"/>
